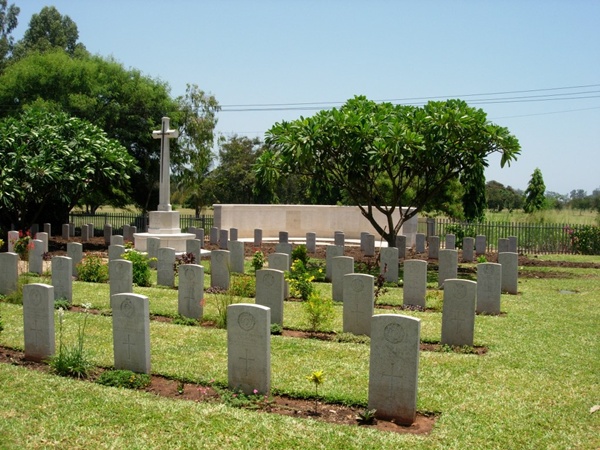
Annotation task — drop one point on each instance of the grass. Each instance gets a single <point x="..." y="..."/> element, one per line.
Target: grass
<point x="533" y="389"/>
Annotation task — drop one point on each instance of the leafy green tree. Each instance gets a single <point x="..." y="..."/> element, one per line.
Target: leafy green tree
<point x="124" y="103"/>
<point x="535" y="194"/>
<point x="501" y="197"/>
<point x="388" y="156"/>
<point x="48" y="161"/>
<point x="8" y="22"/>
<point x="49" y="31"/>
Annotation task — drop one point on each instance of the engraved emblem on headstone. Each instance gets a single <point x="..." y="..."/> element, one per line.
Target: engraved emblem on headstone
<point x="246" y="321"/>
<point x="393" y="333"/>
<point x="127" y="308"/>
<point x="358" y="285"/>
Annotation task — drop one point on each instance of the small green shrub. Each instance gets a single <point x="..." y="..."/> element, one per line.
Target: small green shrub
<point x="243" y="285"/>
<point x="300" y="280"/>
<point x="350" y="338"/>
<point x="124" y="379"/>
<point x="140" y="267"/>
<point x="460" y="231"/>
<point x="300" y="253"/>
<point x="16" y="297"/>
<point x="237" y="399"/>
<point x="318" y="312"/>
<point x="92" y="270"/>
<point x="258" y="260"/>
<point x="366" y="417"/>
<point x="186" y="321"/>
<point x="585" y="240"/>
<point x="222" y="298"/>
<point x="276" y="329"/>
<point x="62" y="303"/>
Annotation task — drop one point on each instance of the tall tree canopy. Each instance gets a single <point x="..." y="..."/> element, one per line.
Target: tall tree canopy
<point x="8" y="22"/>
<point x="49" y="161"/>
<point x="535" y="194"/>
<point x="123" y="102"/>
<point x="387" y="156"/>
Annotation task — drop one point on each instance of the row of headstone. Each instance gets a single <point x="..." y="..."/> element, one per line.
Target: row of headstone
<point x="471" y="245"/>
<point x="199" y="233"/>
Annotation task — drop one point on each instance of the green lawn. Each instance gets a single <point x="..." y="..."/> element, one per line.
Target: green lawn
<point x="534" y="388"/>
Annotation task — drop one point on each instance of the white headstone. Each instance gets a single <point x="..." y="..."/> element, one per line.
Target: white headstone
<point x="502" y="245"/>
<point x="249" y="348"/>
<point x="44" y="238"/>
<point x="191" y="291"/>
<point x="62" y="277"/>
<point x="236" y="249"/>
<point x="257" y="237"/>
<point x="340" y="266"/>
<point x="489" y="288"/>
<point x="194" y="247"/>
<point x="401" y="246"/>
<point x="434" y="247"/>
<point x="450" y="241"/>
<point x="359" y="300"/>
<point x="66" y="231"/>
<point x="415" y="282"/>
<point x="165" y="275"/>
<point x="468" y="249"/>
<point x="458" y="314"/>
<point x="369" y="245"/>
<point x="115" y="251"/>
<point x="13" y="236"/>
<point x="120" y="273"/>
<point x="331" y="251"/>
<point x="480" y="245"/>
<point x="394" y="367"/>
<point x="510" y="272"/>
<point x="448" y="266"/>
<point x="512" y="244"/>
<point x="219" y="269"/>
<point x="269" y="292"/>
<point x="389" y="264"/>
<point x="131" y="332"/>
<point x="117" y="239"/>
<point x="38" y="321"/>
<point x="75" y="252"/>
<point x="224" y="239"/>
<point x="152" y="246"/>
<point x="283" y="237"/>
<point x="233" y="234"/>
<point x="36" y="257"/>
<point x="420" y="243"/>
<point x="281" y="261"/>
<point x="285" y="247"/>
<point x="311" y="242"/>
<point x="9" y="272"/>
<point x="107" y="233"/>
<point x="214" y="236"/>
<point x="339" y="238"/>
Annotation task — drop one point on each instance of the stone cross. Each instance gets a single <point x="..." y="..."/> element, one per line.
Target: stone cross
<point x="165" y="187"/>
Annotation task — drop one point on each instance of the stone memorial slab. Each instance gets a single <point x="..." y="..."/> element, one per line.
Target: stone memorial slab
<point x="213" y="236"/>
<point x="126" y="232"/>
<point x="236" y="255"/>
<point x="359" y="301"/>
<point x="480" y="245"/>
<point x="394" y="367"/>
<point x="339" y="238"/>
<point x="71" y="229"/>
<point x="9" y="272"/>
<point x="415" y="282"/>
<point x="281" y="261"/>
<point x="502" y="245"/>
<point x="420" y="243"/>
<point x="34" y="229"/>
<point x="192" y="230"/>
<point x="131" y="332"/>
<point x="85" y="233"/>
<point x="249" y="348"/>
<point x="66" y="231"/>
<point x="340" y="266"/>
<point x="489" y="288"/>
<point x="13" y="236"/>
<point x="194" y="246"/>
<point x="369" y="249"/>
<point x="152" y="246"/>
<point x="458" y="313"/>
<point x="434" y="247"/>
<point x="468" y="249"/>
<point x="117" y="239"/>
<point x="62" y="277"/>
<point x="401" y="246"/>
<point x="512" y="244"/>
<point x="363" y="235"/>
<point x="75" y="252"/>
<point x="120" y="274"/>
<point x="224" y="239"/>
<point x="91" y="230"/>
<point x="165" y="275"/>
<point x="200" y="236"/>
<point x="115" y="251"/>
<point x="44" y="238"/>
<point x="38" y="321"/>
<point x="132" y="232"/>
<point x="284" y="237"/>
<point x="107" y="233"/>
<point x="510" y="272"/>
<point x="191" y="291"/>
<point x="285" y="247"/>
<point x="311" y="242"/>
<point x="48" y="229"/>
<point x="389" y="263"/>
<point x="450" y="242"/>
<point x="331" y="251"/>
<point x="270" y="292"/>
<point x="219" y="269"/>
<point x="36" y="257"/>
<point x="233" y="234"/>
<point x="448" y="266"/>
<point x="257" y="237"/>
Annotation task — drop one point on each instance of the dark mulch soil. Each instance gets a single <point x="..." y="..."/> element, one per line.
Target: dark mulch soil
<point x="301" y="408"/>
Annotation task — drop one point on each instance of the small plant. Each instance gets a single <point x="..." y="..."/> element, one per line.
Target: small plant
<point x="237" y="399"/>
<point x="317" y="378"/>
<point x="258" y="260"/>
<point x="300" y="253"/>
<point x="186" y="321"/>
<point x="243" y="285"/>
<point x="223" y="298"/>
<point x="300" y="280"/>
<point x="276" y="329"/>
<point x="1" y="243"/>
<point x="351" y="338"/>
<point x="16" y="296"/>
<point x="318" y="312"/>
<point x="460" y="231"/>
<point x="180" y="387"/>
<point x="124" y="379"/>
<point x="185" y="258"/>
<point x="1" y="325"/>
<point x="22" y="245"/>
<point x="366" y="417"/>
<point x="380" y="287"/>
<point x="434" y="300"/>
<point x="92" y="269"/>
<point x="481" y="259"/>
<point x="71" y="361"/>
<point x="140" y="267"/>
<point x="62" y="303"/>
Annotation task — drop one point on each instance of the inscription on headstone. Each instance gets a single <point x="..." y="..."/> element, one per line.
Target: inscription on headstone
<point x="191" y="291"/>
<point x="131" y="332"/>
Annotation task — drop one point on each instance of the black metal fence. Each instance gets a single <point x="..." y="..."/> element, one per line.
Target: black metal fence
<point x="538" y="238"/>
<point x="118" y="220"/>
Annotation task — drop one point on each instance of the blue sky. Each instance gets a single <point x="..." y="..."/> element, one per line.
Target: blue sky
<point x="289" y="52"/>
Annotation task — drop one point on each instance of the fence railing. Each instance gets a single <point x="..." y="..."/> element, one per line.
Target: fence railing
<point x="531" y="238"/>
<point x="118" y="220"/>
